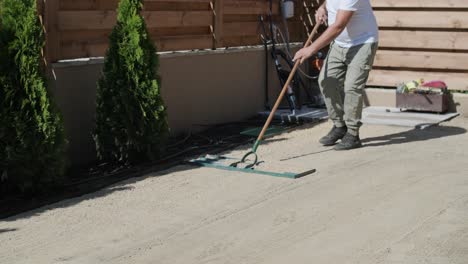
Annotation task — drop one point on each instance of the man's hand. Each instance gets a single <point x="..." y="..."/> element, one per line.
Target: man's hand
<point x="321" y="16"/>
<point x="303" y="54"/>
<point x="342" y="19"/>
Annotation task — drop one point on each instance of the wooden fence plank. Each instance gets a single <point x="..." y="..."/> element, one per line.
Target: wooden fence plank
<point x="176" y="6"/>
<point x="72" y="50"/>
<point x="52" y="30"/>
<point x="417" y="59"/>
<point x="83" y="50"/>
<point x="179" y="31"/>
<point x="242" y="7"/>
<point x="111" y="5"/>
<point x="184" y="43"/>
<point x="421" y="3"/>
<point x="40" y="5"/>
<point x="240" y="18"/>
<point x="84" y="25"/>
<point x="218" y="25"/>
<point x="455" y="81"/>
<point x="423" y="39"/>
<point x="241" y="29"/>
<point x="178" y="18"/>
<point x="235" y="41"/>
<point x="70" y="20"/>
<point x="84" y="36"/>
<point x="422" y="19"/>
<point x="78" y="5"/>
<point x="89" y="4"/>
<point x="438" y="35"/>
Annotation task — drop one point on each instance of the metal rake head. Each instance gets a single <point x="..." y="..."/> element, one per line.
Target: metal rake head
<point x="244" y="160"/>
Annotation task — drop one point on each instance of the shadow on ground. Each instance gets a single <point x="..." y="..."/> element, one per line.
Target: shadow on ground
<point x="97" y="190"/>
<point x="307" y="154"/>
<point x="88" y="189"/>
<point x="6" y="230"/>
<point x="413" y="135"/>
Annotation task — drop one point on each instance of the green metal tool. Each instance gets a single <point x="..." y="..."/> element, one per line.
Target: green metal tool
<point x="253" y="152"/>
<point x="219" y="162"/>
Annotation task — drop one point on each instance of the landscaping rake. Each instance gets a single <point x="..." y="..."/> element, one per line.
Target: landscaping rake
<point x="249" y="161"/>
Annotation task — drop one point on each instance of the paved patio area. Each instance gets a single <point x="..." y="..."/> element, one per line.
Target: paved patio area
<point x="403" y="198"/>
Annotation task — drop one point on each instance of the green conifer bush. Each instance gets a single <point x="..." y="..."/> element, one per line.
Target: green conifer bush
<point x="32" y="142"/>
<point x="131" y="122"/>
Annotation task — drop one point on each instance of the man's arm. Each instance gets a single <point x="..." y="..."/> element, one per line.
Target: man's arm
<point x="342" y="19"/>
<point x="321" y="15"/>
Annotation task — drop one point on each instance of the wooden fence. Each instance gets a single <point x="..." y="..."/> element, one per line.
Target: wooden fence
<point x="422" y="39"/>
<point x="418" y="38"/>
<point x="80" y="28"/>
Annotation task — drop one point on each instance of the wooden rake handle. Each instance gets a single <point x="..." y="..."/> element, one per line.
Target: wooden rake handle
<point x="285" y="88"/>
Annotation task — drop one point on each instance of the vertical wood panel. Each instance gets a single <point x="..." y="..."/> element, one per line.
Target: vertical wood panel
<point x="218" y="23"/>
<point x="185" y="19"/>
<point x="422" y="39"/>
<point x="52" y="30"/>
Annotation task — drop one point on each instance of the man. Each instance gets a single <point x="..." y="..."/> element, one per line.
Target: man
<point x="353" y="34"/>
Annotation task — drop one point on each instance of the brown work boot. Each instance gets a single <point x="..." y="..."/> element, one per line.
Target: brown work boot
<point x="349" y="142"/>
<point x="335" y="134"/>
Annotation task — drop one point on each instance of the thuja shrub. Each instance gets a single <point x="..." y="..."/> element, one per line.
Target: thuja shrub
<point x="32" y="142"/>
<point x="131" y="122"/>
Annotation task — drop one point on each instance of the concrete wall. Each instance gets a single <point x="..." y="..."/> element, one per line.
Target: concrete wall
<point x="74" y="90"/>
<point x="199" y="88"/>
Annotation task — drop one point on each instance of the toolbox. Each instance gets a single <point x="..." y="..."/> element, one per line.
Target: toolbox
<point x="427" y="97"/>
<point x="423" y="102"/>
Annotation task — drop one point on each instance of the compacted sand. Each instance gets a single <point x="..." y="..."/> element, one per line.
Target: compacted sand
<point x="401" y="199"/>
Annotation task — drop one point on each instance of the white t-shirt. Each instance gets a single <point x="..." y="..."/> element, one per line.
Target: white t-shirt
<point x="362" y="28"/>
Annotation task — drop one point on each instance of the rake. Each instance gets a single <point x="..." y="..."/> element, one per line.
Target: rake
<point x="214" y="161"/>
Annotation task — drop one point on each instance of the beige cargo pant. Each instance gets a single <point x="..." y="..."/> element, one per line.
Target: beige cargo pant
<point x="342" y="82"/>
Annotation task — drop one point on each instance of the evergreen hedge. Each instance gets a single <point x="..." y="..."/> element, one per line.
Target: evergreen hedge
<point x="32" y="143"/>
<point x="131" y="122"/>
